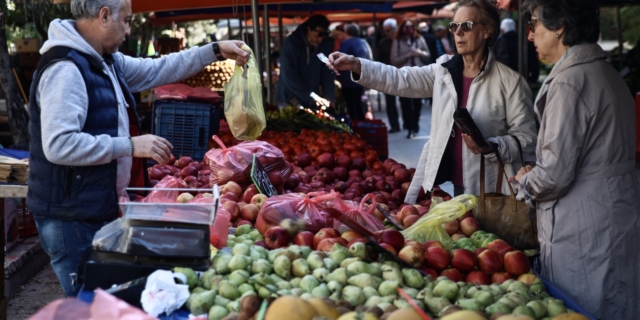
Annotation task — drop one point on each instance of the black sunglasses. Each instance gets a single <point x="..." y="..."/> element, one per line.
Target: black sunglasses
<point x="322" y="33"/>
<point x="532" y="25"/>
<point x="466" y="26"/>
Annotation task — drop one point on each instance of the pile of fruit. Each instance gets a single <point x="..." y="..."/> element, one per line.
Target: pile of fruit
<point x="345" y="283"/>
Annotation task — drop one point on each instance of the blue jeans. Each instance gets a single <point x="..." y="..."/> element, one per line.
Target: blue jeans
<point x="67" y="243"/>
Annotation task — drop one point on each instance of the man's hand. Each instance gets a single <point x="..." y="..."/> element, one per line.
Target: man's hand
<point x="343" y="61"/>
<point x="232" y="49"/>
<point x="151" y="146"/>
<point x="521" y="173"/>
<point x="471" y="144"/>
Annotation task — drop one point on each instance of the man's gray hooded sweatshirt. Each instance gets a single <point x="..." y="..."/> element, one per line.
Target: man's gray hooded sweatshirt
<point x="63" y="100"/>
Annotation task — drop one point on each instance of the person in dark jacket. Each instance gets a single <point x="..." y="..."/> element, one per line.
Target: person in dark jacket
<point x="301" y="72"/>
<point x="389" y="28"/>
<point x="352" y="91"/>
<point x="432" y="41"/>
<point x="86" y="143"/>
<point x="506" y="50"/>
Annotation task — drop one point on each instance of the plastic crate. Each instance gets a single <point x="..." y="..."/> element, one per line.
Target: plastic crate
<point x="26" y="222"/>
<point x="187" y="125"/>
<point x="374" y="132"/>
<point x="555" y="292"/>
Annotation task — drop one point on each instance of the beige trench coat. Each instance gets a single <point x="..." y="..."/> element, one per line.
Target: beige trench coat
<point x="499" y="101"/>
<point x="586" y="186"/>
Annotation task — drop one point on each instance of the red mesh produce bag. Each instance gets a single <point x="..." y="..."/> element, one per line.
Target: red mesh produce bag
<point x="176" y="91"/>
<point x="164" y="196"/>
<point x="234" y="163"/>
<point x="202" y="94"/>
<point x="296" y="207"/>
<point x="359" y="213"/>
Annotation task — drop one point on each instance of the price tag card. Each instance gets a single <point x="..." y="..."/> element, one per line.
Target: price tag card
<point x="261" y="179"/>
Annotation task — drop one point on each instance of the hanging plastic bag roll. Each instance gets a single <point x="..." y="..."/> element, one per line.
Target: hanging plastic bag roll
<point x="243" y="101"/>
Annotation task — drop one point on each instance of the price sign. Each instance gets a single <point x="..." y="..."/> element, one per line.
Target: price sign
<point x="261" y="179"/>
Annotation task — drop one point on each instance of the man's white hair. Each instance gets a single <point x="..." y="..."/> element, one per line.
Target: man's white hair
<point x="390" y="23"/>
<point x="508" y="25"/>
<point x="89" y="9"/>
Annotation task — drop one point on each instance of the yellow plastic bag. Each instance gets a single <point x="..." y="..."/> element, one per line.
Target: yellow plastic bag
<point x="243" y="101"/>
<point x="428" y="227"/>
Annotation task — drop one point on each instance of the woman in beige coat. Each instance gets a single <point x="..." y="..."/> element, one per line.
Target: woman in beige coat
<point x="410" y="50"/>
<point x="498" y="99"/>
<point x="584" y="180"/>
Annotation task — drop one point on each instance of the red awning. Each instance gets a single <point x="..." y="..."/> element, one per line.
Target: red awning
<point x="170" y="5"/>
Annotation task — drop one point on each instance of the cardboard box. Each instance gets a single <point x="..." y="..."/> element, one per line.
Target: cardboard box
<point x="11" y="230"/>
<point x="28" y="45"/>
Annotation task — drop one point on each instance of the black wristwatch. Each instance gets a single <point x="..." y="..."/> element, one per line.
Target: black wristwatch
<point x="216" y="51"/>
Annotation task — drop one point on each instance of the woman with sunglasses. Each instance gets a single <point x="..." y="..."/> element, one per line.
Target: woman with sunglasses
<point x="410" y="49"/>
<point x="584" y="181"/>
<point x="498" y="99"/>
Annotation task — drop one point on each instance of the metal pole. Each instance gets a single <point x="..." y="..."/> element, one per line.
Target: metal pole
<point x="620" y="41"/>
<point x="241" y="31"/>
<point x="229" y="29"/>
<point x="256" y="36"/>
<point x="267" y="51"/>
<point x="280" y="28"/>
<point x="522" y="43"/>
<point x="374" y="50"/>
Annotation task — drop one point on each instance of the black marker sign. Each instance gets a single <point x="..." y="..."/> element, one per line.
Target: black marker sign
<point x="261" y="179"/>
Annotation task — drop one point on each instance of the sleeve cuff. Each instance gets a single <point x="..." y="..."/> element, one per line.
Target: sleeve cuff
<point x="121" y="147"/>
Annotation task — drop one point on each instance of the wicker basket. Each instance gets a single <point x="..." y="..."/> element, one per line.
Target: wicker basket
<point x="213" y="76"/>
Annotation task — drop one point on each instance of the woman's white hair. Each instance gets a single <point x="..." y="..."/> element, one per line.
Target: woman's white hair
<point x="89" y="9"/>
<point x="390" y="23"/>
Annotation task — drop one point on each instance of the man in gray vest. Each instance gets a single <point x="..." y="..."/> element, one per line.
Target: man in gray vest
<point x="86" y="143"/>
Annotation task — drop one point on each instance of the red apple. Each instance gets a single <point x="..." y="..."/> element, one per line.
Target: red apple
<point x="432" y="243"/>
<point x="500" y="277"/>
<point x="489" y="261"/>
<point x="258" y="200"/>
<point x="506" y="250"/>
<point x="304" y="239"/>
<point x="226" y="196"/>
<point x="437" y="258"/>
<point x="414" y="244"/>
<point x="389" y="248"/>
<point x="341" y="173"/>
<point x="392" y="237"/>
<point x="468" y="226"/>
<point x="463" y="260"/>
<point x="351" y="235"/>
<point x="183" y="162"/>
<point x="233" y="209"/>
<point x="303" y="159"/>
<point x="497" y="245"/>
<point x="402" y="175"/>
<point x="276" y="237"/>
<point x="327" y="244"/>
<point x="249" y="193"/>
<point x="527" y="278"/>
<point x="453" y="275"/>
<point x="410" y="220"/>
<point x="407" y="210"/>
<point x="457" y="236"/>
<point x="325" y="233"/>
<point x="516" y="263"/>
<point x="429" y="271"/>
<point x="397" y="195"/>
<point x="234" y="187"/>
<point x="412" y="256"/>
<point x="450" y="227"/>
<point x="478" y="277"/>
<point x="343" y="160"/>
<point x="249" y="212"/>
<point x="479" y="251"/>
<point x="292" y="182"/>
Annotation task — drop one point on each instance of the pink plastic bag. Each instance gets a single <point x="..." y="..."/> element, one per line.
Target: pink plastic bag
<point x="234" y="163"/>
<point x="164" y="196"/>
<point x="359" y="213"/>
<point x="219" y="230"/>
<point x="297" y="207"/>
<point x="176" y="91"/>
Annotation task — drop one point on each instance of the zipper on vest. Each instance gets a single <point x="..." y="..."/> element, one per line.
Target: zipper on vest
<point x="69" y="182"/>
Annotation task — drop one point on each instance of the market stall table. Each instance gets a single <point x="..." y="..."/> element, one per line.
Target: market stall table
<point x="8" y="191"/>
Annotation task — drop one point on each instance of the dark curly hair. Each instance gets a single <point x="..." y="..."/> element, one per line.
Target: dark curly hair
<point x="489" y="15"/>
<point x="580" y="18"/>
